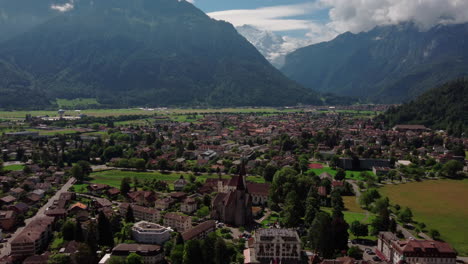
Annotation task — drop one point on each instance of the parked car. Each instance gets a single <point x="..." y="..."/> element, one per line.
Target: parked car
<point x="376" y="259"/>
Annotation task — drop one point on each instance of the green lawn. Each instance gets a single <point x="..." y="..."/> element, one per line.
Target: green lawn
<point x="77" y="103"/>
<point x="114" y="177"/>
<point x="14" y="167"/>
<point x="440" y="204"/>
<point x="349" y="174"/>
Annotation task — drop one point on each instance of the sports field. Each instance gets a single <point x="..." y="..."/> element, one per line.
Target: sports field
<point x="440" y="204"/>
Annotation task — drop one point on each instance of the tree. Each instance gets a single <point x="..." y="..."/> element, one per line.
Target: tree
<point x="84" y="255"/>
<point x="355" y="252"/>
<point x="339" y="230"/>
<point x="68" y="230"/>
<point x="269" y="172"/>
<point x="134" y="258"/>
<point x="106" y="238"/>
<point x="1" y="165"/>
<point x="358" y="229"/>
<point x="406" y="216"/>
<point x="129" y="217"/>
<point x="125" y="186"/>
<point x="336" y="200"/>
<point x="312" y="208"/>
<point x="340" y="174"/>
<point x="77" y="173"/>
<point x="434" y="234"/>
<point x="220" y="252"/>
<point x="319" y="235"/>
<point x="451" y="168"/>
<point x="59" y="259"/>
<point x="78" y="232"/>
<point x="292" y="210"/>
<point x="115" y="260"/>
<point x="177" y="254"/>
<point x="192" y="253"/>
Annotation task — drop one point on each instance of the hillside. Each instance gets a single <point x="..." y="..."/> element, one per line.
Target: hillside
<point x="444" y="107"/>
<point x="388" y="64"/>
<point x="136" y="53"/>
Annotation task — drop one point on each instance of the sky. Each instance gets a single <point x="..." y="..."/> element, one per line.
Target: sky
<point x="321" y="20"/>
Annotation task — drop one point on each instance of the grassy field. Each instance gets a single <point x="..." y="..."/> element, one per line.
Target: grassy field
<point x="138" y="111"/>
<point x="440" y="204"/>
<point x="14" y="167"/>
<point x="355" y="175"/>
<point x="114" y="177"/>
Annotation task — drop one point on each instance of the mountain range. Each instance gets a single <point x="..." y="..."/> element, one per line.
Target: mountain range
<point x="132" y="53"/>
<point x="388" y="64"/>
<point x="271" y="45"/>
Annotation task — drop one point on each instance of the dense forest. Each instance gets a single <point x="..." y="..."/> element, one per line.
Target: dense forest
<point x="444" y="107"/>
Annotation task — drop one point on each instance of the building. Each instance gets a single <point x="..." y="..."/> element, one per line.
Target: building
<point x="150" y="233"/>
<point x="412" y="251"/>
<point x="362" y="164"/>
<point x="259" y="192"/>
<point x="151" y="254"/>
<point x="188" y="206"/>
<point x="235" y="206"/>
<point x="180" y="184"/>
<point x="7" y="220"/>
<point x="141" y="213"/>
<point x="200" y="231"/>
<point x="33" y="238"/>
<point x="178" y="222"/>
<point x="414" y="128"/>
<point x="275" y="246"/>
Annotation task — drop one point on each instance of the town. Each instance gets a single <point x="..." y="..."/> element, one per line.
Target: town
<point x="288" y="186"/>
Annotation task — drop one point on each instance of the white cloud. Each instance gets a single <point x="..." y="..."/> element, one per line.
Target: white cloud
<point x="275" y="18"/>
<point x="63" y="8"/>
<point x="348" y="15"/>
<point x="191" y="1"/>
<point x="363" y="15"/>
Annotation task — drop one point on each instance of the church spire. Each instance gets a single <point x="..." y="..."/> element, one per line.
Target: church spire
<point x="240" y="179"/>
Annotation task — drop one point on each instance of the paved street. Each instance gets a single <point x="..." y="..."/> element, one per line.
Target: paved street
<point x="40" y="213"/>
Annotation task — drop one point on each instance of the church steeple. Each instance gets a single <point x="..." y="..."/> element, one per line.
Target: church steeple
<point x="240" y="185"/>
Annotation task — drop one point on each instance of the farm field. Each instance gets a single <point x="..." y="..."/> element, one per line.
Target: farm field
<point x="114" y="177"/>
<point x="440" y="204"/>
<point x="138" y="111"/>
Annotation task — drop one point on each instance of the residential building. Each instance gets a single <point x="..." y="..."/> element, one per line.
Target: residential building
<point x="178" y="222"/>
<point x="151" y="254"/>
<point x="200" y="231"/>
<point x="188" y="206"/>
<point x="141" y="213"/>
<point x="413" y="251"/>
<point x="7" y="220"/>
<point x="275" y="245"/>
<point x="33" y="238"/>
<point x="180" y="184"/>
<point x="150" y="233"/>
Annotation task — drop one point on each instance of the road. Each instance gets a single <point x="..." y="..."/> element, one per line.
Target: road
<point x="40" y="213"/>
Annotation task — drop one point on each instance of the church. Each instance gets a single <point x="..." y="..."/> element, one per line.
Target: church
<point x="234" y="206"/>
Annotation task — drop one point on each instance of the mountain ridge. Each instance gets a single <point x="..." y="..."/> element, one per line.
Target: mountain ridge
<point x="142" y="52"/>
<point x="387" y="64"/>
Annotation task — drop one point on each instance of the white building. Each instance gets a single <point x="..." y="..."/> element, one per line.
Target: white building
<point x="412" y="251"/>
<point x="150" y="233"/>
<point x="282" y="245"/>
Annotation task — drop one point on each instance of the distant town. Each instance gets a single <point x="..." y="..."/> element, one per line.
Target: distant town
<point x="331" y="185"/>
